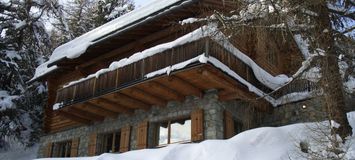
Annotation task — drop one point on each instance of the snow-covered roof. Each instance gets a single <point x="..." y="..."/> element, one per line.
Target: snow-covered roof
<point x="79" y="45"/>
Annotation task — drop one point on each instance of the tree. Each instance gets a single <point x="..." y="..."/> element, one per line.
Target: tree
<point x="24" y="44"/>
<point x="322" y="30"/>
<point x="77" y="17"/>
<point x="108" y="10"/>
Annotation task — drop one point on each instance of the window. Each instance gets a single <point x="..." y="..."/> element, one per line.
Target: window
<point x="61" y="149"/>
<point x="110" y="142"/>
<point x="174" y="132"/>
<point x="238" y="127"/>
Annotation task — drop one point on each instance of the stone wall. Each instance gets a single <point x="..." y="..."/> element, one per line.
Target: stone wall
<point x="296" y="113"/>
<point x="213" y="122"/>
<point x="248" y="114"/>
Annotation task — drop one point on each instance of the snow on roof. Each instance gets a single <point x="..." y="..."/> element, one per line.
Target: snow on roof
<point x="79" y="45"/>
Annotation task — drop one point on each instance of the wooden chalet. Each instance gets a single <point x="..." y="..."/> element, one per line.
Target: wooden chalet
<point x="133" y="87"/>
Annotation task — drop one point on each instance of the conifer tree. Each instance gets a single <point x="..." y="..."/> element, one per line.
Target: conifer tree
<point x="24" y="44"/>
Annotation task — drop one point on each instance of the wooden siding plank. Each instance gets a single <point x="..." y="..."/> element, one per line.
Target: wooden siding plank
<point x="197" y="128"/>
<point x="228" y="125"/>
<point x="92" y="144"/>
<point x="142" y="135"/>
<point x="125" y="139"/>
<point x="74" y="147"/>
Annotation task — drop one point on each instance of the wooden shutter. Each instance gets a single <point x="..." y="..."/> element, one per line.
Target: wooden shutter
<point x="197" y="125"/>
<point x="228" y="125"/>
<point x="48" y="150"/>
<point x="142" y="133"/>
<point x="92" y="144"/>
<point x="74" y="147"/>
<point x="125" y="138"/>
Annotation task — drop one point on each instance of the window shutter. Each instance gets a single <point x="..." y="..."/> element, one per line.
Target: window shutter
<point x="92" y="144"/>
<point x="48" y="150"/>
<point x="125" y="138"/>
<point x="142" y="134"/>
<point x="197" y="125"/>
<point x="74" y="147"/>
<point x="228" y="125"/>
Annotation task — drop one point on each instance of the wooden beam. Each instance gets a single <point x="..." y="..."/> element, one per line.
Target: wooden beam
<point x="144" y="96"/>
<point x="181" y="85"/>
<point x="163" y="91"/>
<point x="73" y="117"/>
<point x="97" y="109"/>
<point x="128" y="101"/>
<point x="85" y="114"/>
<point x="227" y="95"/>
<point x="217" y="80"/>
<point x="109" y="105"/>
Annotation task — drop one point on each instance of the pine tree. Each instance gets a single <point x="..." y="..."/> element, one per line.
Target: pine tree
<point x="75" y="18"/>
<point x="108" y="10"/>
<point x="24" y="44"/>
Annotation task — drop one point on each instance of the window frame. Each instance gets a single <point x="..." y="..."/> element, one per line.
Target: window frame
<point x="103" y="140"/>
<point x="169" y="122"/>
<point x="58" y="151"/>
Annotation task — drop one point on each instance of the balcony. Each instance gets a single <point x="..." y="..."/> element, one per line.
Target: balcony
<point x="130" y="87"/>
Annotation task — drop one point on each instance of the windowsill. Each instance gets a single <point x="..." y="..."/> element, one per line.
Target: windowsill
<point x="180" y="142"/>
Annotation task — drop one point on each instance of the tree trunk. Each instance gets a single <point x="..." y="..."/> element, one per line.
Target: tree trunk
<point x="331" y="81"/>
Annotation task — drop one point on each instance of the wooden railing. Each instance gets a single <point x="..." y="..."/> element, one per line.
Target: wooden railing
<point x="135" y="72"/>
<point x="298" y="85"/>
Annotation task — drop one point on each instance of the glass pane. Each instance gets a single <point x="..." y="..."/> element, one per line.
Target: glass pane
<point x="68" y="149"/>
<point x="117" y="141"/>
<point x="163" y="134"/>
<point x="181" y="131"/>
<point x="109" y="138"/>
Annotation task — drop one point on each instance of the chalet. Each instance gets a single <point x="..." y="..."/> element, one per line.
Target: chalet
<point x="148" y="79"/>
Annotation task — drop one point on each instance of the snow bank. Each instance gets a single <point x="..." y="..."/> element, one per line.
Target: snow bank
<point x="79" y="45"/>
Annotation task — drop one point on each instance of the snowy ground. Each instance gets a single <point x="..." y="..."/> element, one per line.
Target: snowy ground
<point x="19" y="153"/>
<point x="266" y="143"/>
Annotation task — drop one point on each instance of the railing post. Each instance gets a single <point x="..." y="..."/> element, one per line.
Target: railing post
<point x="74" y="92"/>
<point x="207" y="47"/>
<point x="117" y="78"/>
<point x="94" y="88"/>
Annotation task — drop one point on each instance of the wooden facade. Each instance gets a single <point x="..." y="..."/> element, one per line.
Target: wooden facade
<point x="126" y="89"/>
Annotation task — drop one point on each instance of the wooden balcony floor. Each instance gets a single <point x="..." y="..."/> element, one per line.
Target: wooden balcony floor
<point x="153" y="92"/>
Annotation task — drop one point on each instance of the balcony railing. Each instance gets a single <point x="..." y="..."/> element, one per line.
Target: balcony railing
<point x="135" y="72"/>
